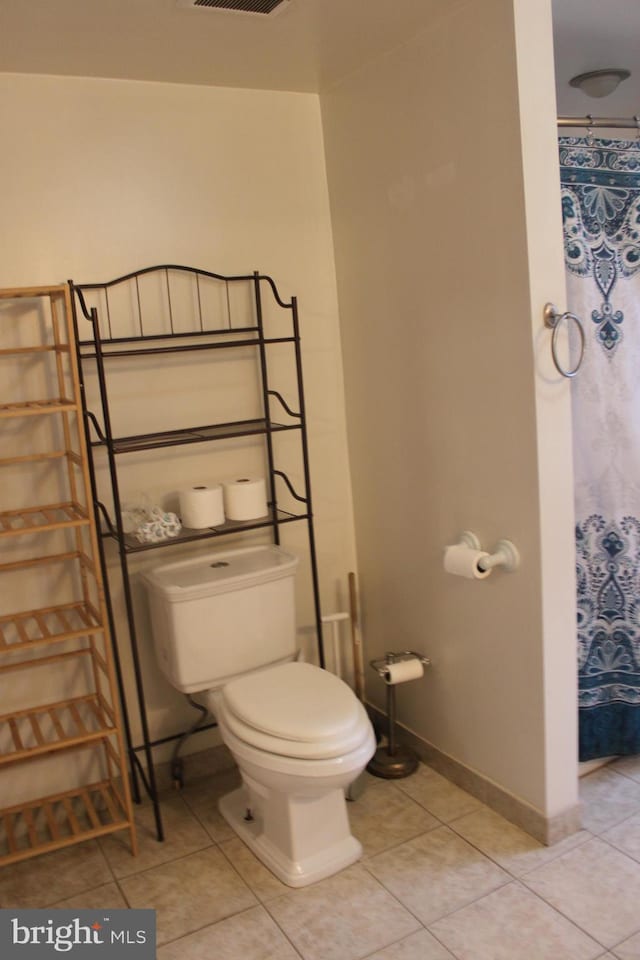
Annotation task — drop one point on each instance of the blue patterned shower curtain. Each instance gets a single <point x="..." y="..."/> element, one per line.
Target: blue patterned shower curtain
<point x="601" y="217"/>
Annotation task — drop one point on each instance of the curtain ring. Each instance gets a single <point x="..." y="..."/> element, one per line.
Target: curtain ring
<point x="590" y="137"/>
<point x="552" y="319"/>
<point x="637" y="120"/>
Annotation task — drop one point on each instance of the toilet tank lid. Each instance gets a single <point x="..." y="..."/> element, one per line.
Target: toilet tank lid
<point x="294" y="701"/>
<point x="221" y="572"/>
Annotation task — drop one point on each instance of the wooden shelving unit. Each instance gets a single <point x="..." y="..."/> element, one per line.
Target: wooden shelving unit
<point x="68" y="629"/>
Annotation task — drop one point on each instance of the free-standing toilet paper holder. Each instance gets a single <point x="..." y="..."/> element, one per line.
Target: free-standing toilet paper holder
<point x="393" y="761"/>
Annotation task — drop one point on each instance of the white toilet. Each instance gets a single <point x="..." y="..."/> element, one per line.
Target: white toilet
<point x="224" y="627"/>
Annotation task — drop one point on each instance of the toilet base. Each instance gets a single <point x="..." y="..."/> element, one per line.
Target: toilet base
<point x="295" y="873"/>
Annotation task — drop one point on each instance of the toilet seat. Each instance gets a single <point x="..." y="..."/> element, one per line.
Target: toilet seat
<point x="294" y="710"/>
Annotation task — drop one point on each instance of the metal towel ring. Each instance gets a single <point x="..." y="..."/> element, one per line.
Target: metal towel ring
<point x="553" y="319"/>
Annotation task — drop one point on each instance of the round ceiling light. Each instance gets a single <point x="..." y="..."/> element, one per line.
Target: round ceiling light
<point x="599" y="83"/>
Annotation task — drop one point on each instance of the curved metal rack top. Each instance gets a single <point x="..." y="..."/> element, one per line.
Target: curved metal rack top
<point x="165" y="268"/>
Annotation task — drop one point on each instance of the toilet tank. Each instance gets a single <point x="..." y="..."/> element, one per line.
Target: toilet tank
<point x="222" y="614"/>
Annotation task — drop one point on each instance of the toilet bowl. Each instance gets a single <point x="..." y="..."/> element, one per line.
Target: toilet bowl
<point x="224" y="627"/>
<point x="299" y="737"/>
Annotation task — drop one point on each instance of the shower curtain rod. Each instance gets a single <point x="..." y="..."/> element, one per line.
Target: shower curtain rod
<point x="630" y="123"/>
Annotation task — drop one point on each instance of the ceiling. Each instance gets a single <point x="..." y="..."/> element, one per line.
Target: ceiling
<point x="306" y="45"/>
<point x="593" y="35"/>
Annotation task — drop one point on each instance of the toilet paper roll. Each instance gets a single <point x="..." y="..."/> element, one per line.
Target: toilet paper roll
<point x="202" y="506"/>
<point x="463" y="562"/>
<point x="245" y="498"/>
<point x="402" y="671"/>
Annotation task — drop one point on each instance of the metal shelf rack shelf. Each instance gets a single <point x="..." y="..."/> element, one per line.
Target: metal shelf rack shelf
<point x="169" y="311"/>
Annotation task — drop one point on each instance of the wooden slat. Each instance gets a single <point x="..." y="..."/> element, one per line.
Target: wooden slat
<point x="73" y="822"/>
<point x="54" y="829"/>
<point x="98" y="725"/>
<point x="77" y="719"/>
<point x="57" y="516"/>
<point x="31" y="828"/>
<point x="82" y="613"/>
<point x="42" y="561"/>
<point x="107" y="708"/>
<point x="40" y="348"/>
<point x="42" y="708"/>
<point x="15" y="351"/>
<point x="89" y="807"/>
<point x="44" y="629"/>
<point x="31" y="293"/>
<point x="116" y="786"/>
<point x="115" y="815"/>
<point x="102" y="663"/>
<point x="105" y="789"/>
<point x="95" y="710"/>
<point x="62" y="618"/>
<point x="87" y="563"/>
<point x="57" y="623"/>
<point x="34" y="458"/>
<point x="35" y="408"/>
<point x="53" y="713"/>
<point x="111" y="752"/>
<point x="15" y="733"/>
<point x="37" y="732"/>
<point x="41" y="661"/>
<point x="93" y="610"/>
<point x="22" y="633"/>
<point x="7" y="820"/>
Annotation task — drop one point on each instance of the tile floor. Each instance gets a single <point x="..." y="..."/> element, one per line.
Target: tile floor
<point x="442" y="877"/>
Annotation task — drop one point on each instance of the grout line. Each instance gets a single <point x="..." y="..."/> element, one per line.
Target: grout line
<point x="123" y="895"/>
<point x="283" y="932"/>
<point x="509" y="878"/>
<point x="563" y="914"/>
<point x="358" y="863"/>
<point x="183" y="936"/>
<point x="105" y="858"/>
<point x="523" y="886"/>
<point x="165" y="863"/>
<point x="613" y="846"/>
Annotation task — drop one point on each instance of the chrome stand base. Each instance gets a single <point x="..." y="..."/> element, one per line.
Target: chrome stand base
<point x="393" y="766"/>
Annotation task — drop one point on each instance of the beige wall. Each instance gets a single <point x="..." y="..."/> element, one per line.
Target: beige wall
<point x="454" y="414"/>
<point x="533" y="30"/>
<point x="103" y="177"/>
<point x="456" y="418"/>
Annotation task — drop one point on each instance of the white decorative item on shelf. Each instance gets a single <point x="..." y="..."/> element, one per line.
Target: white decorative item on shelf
<point x="159" y="526"/>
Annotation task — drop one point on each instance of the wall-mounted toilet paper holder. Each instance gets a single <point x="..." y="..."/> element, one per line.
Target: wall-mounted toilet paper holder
<point x="505" y="555"/>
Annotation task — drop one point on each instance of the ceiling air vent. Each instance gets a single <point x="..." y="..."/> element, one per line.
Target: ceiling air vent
<point x="241" y="6"/>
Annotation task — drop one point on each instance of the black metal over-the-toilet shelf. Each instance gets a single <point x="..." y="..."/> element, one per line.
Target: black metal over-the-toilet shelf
<point x="163" y="311"/>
